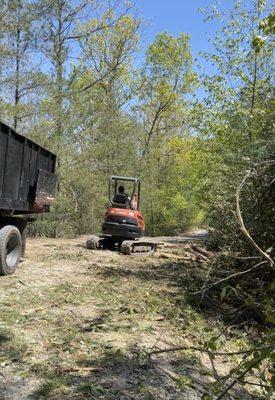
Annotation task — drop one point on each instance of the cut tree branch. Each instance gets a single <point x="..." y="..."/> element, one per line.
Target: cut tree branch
<point x="205" y="350"/>
<point x="228" y="277"/>
<point x="242" y="226"/>
<point x="239" y="378"/>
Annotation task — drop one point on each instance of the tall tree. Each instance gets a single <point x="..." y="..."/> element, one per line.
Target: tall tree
<point x="163" y="112"/>
<point x="20" y="74"/>
<point x="237" y="121"/>
<point x="102" y="136"/>
<point x="59" y="41"/>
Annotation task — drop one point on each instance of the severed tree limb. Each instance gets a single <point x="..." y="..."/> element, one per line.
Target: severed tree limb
<point x="245" y="232"/>
<point x="204" y="350"/>
<point x="211" y="354"/>
<point x="239" y="378"/>
<point x="256" y="384"/>
<point x="242" y="226"/>
<point x="211" y="358"/>
<point x="73" y="368"/>
<point x="198" y="249"/>
<point x="205" y="282"/>
<point x="228" y="277"/>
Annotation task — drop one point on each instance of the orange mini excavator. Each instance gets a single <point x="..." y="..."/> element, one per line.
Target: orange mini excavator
<point x="123" y="224"/>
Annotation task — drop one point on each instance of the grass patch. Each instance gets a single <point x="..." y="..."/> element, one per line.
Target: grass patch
<point x="91" y="389"/>
<point x="12" y="348"/>
<point x="106" y="317"/>
<point x="54" y="388"/>
<point x="9" y="315"/>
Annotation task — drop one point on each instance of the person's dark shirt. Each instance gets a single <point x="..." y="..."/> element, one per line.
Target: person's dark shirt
<point x="121" y="198"/>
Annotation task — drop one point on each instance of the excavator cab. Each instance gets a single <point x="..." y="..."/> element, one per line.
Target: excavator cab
<point x="123" y="223"/>
<point x="122" y="219"/>
<point x="118" y="194"/>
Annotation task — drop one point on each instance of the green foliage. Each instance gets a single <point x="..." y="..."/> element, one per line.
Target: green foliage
<point x="103" y="116"/>
<point x="267" y="25"/>
<point x="237" y="132"/>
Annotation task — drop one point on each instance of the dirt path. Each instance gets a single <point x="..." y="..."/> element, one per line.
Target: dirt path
<point x="76" y="324"/>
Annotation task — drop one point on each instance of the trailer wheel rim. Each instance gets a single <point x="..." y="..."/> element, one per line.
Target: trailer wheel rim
<point x="13" y="251"/>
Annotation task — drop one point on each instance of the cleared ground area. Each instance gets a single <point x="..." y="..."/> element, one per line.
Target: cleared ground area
<point x="78" y="324"/>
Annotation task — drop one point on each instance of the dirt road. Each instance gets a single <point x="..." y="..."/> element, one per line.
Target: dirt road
<point x="78" y="324"/>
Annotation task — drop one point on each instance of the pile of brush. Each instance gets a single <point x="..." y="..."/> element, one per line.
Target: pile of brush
<point x="187" y="252"/>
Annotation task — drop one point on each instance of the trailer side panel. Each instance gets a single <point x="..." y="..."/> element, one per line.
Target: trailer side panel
<point x="21" y="161"/>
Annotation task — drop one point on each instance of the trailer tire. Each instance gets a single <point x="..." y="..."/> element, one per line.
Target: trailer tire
<point x="10" y="249"/>
<point x="24" y="234"/>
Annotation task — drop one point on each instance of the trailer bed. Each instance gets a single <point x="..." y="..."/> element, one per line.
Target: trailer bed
<point x="27" y="174"/>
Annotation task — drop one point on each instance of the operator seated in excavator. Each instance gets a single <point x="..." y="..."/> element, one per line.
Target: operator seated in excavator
<point x="123" y="223"/>
<point x="121" y="197"/>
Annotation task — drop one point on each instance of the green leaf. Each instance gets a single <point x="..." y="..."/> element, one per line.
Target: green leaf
<point x="258" y="43"/>
<point x="271" y="337"/>
<point x="184" y="381"/>
<point x="223" y="292"/>
<point x="212" y="345"/>
<point x="207" y="397"/>
<point x="270" y="318"/>
<point x="249" y="300"/>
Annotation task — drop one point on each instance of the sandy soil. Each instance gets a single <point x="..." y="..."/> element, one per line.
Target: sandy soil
<point x="78" y="324"/>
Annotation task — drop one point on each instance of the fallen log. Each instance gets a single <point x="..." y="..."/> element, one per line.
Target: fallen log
<point x="175" y="257"/>
<point x="206" y="253"/>
<point x="200" y="256"/>
<point x="76" y="369"/>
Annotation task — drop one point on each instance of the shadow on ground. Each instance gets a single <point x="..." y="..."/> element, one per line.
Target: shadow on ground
<point x="186" y="278"/>
<point x="130" y="374"/>
<point x="118" y="376"/>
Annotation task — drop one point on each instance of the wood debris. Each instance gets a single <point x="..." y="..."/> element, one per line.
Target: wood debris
<point x="191" y="252"/>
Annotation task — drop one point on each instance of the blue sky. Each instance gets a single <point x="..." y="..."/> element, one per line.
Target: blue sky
<point x="175" y="16"/>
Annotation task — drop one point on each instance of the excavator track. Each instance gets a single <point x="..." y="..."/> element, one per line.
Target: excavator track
<point x="93" y="243"/>
<point x="99" y="242"/>
<point x="137" y="247"/>
<point x="128" y="247"/>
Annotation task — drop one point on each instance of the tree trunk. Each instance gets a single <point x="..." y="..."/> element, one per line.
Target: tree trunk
<point x="17" y="64"/>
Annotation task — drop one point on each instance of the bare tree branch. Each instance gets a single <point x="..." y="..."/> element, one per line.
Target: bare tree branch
<point x="228" y="277"/>
<point x="236" y="380"/>
<point x="242" y="226"/>
<point x="205" y="350"/>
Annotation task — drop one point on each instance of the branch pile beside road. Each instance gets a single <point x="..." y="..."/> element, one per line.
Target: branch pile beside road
<point x="191" y="252"/>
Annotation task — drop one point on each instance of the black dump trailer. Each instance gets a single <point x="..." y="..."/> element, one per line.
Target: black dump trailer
<point x="27" y="183"/>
